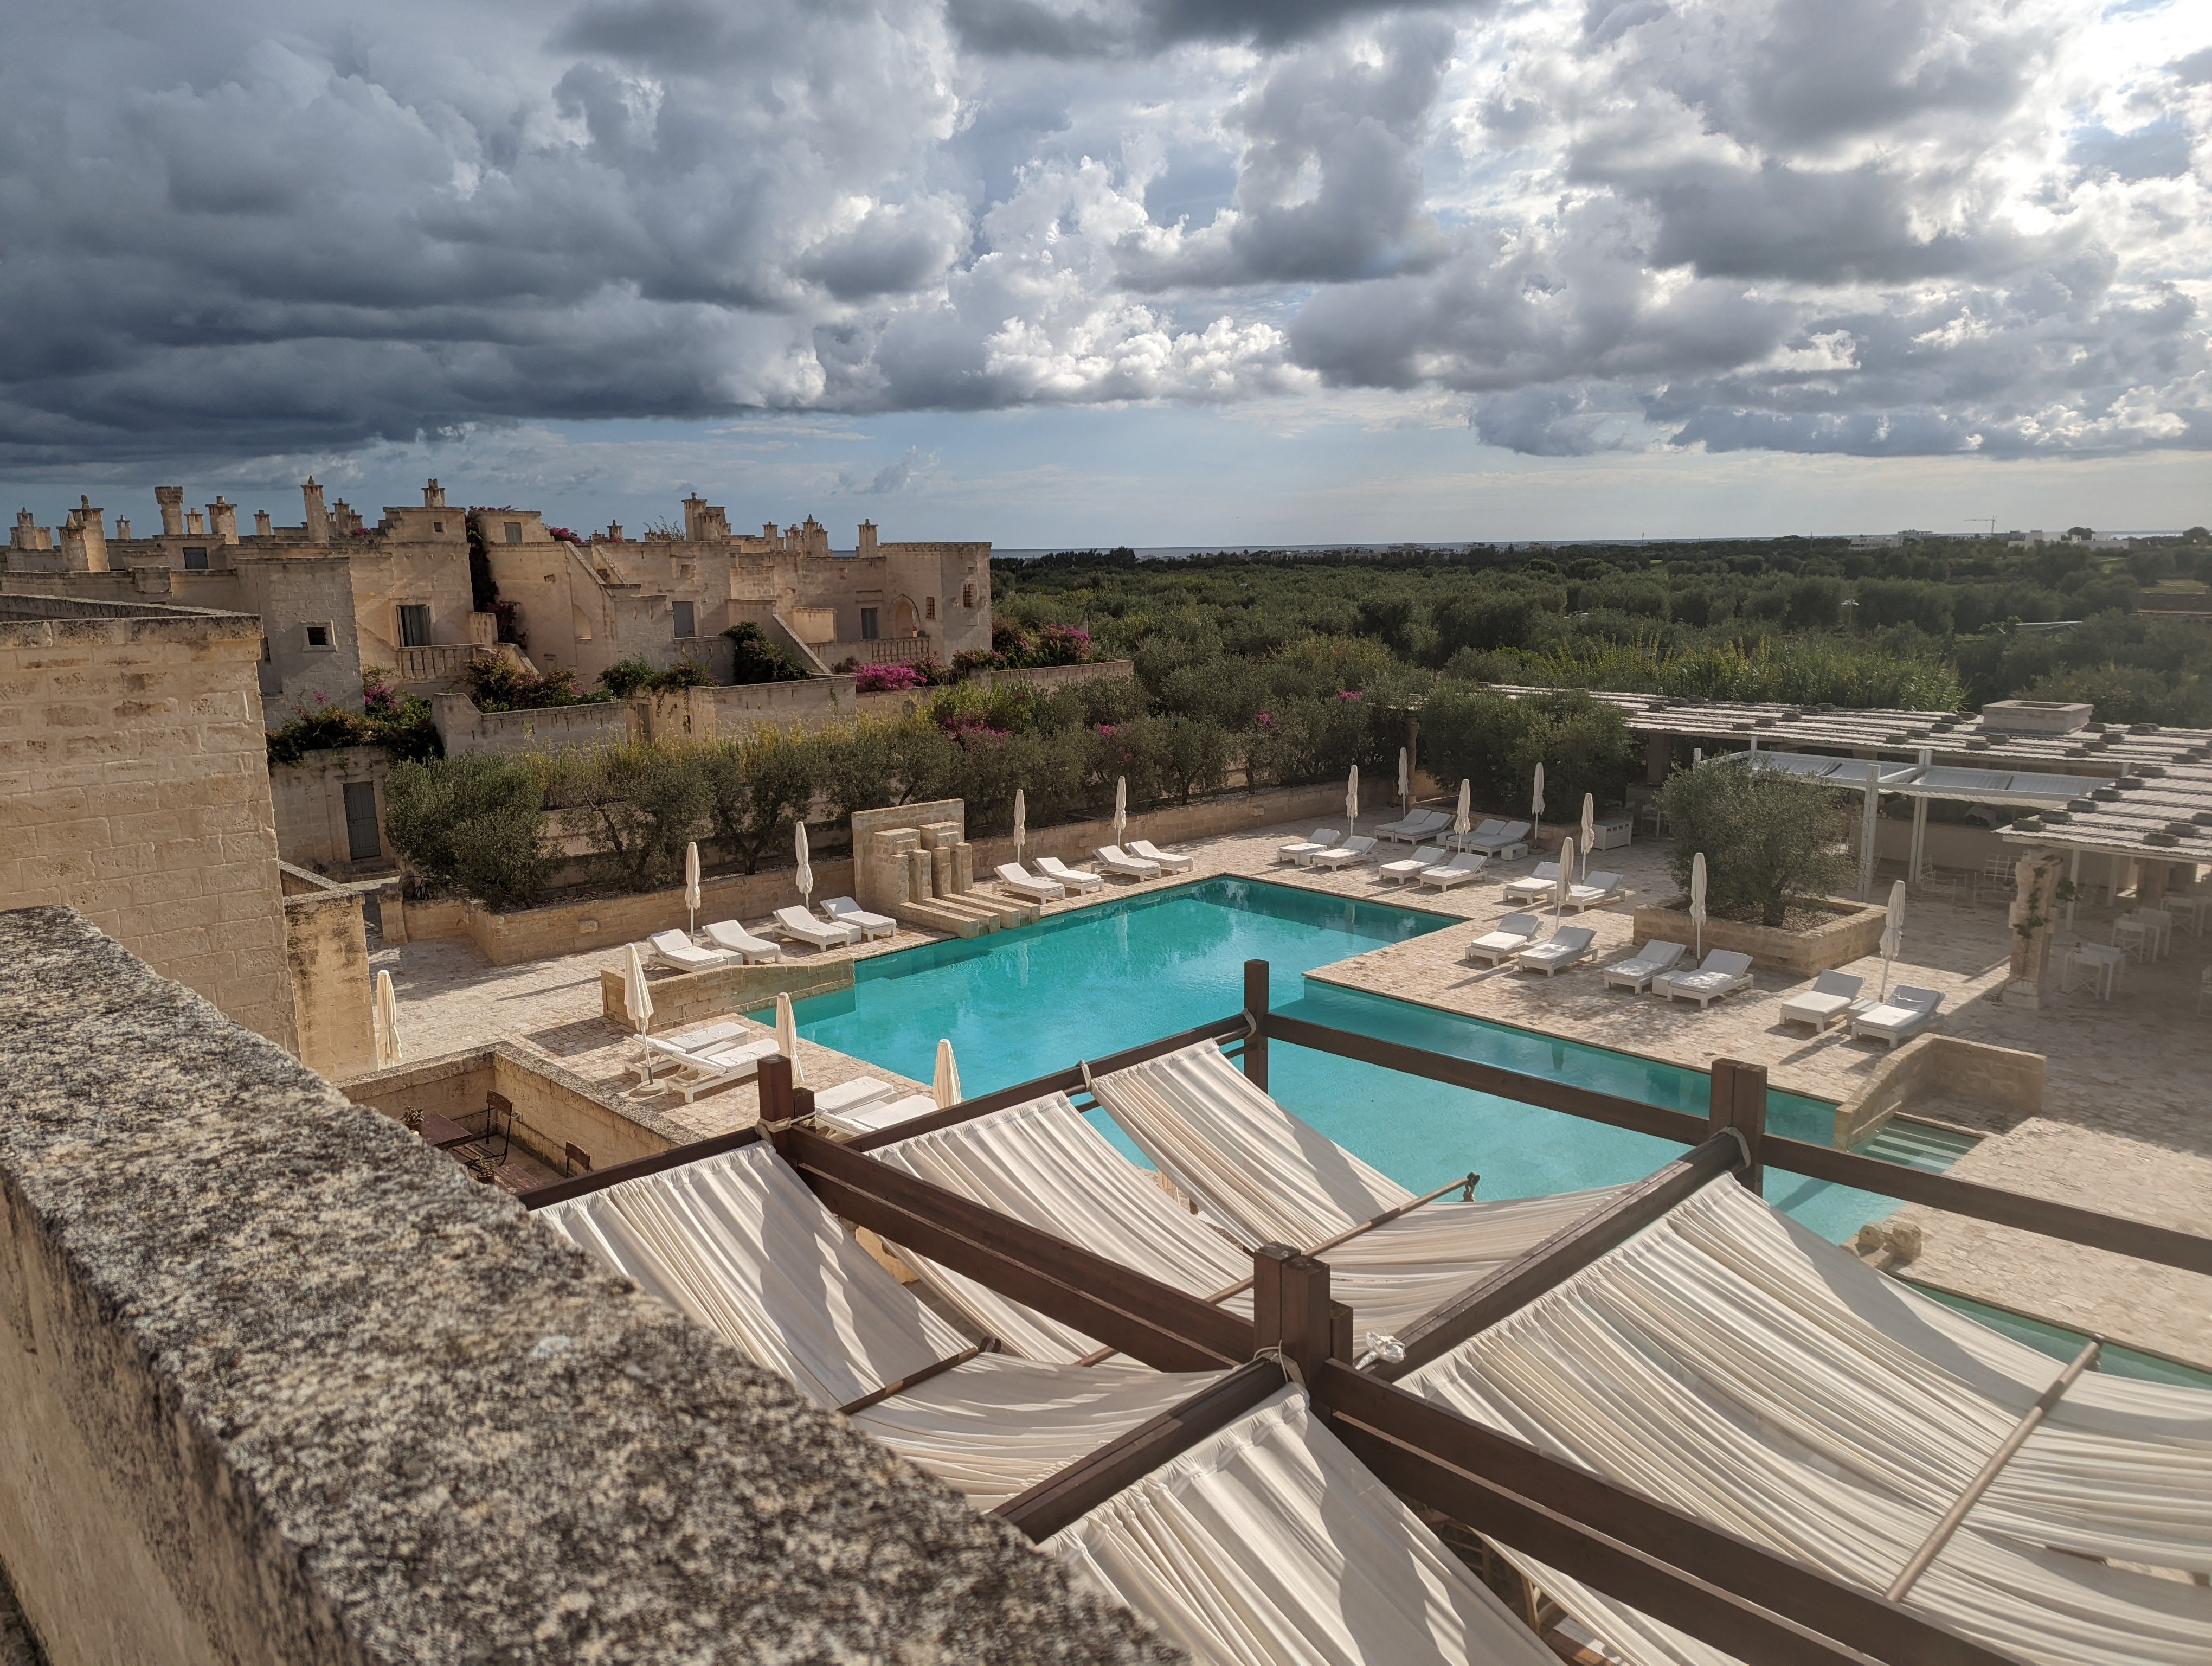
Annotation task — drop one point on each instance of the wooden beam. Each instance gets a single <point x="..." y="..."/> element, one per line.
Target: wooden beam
<point x="1060" y="1081"/>
<point x="1726" y="1591"/>
<point x="2139" y="1238"/>
<point x="1541" y="1091"/>
<point x="1566" y="1252"/>
<point x="1165" y="1327"/>
<point x="1255" y="1006"/>
<point x="1291" y="1312"/>
<point x="1738" y="1100"/>
<point x="1069" y="1494"/>
<point x="560" y="1191"/>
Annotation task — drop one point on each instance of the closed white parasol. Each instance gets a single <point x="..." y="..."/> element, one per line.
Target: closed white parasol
<point x="804" y="876"/>
<point x="1589" y="830"/>
<point x="1351" y="798"/>
<point x="1893" y="934"/>
<point x="1565" y="882"/>
<point x="786" y="1036"/>
<point x="386" y="1020"/>
<point x="1536" y="803"/>
<point x="1021" y="822"/>
<point x="1120" y="805"/>
<point x="1697" y="900"/>
<point x="691" y="882"/>
<point x="945" y="1087"/>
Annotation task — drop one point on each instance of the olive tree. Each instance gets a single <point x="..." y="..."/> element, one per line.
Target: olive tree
<point x="1767" y="837"/>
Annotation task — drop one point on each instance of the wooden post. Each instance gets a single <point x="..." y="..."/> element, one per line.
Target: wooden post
<point x="774" y="1078"/>
<point x="802" y="1104"/>
<point x="1292" y="1312"/>
<point x="1739" y="1102"/>
<point x="1255" y="1003"/>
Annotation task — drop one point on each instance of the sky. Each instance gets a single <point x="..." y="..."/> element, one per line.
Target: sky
<point x="1083" y="272"/>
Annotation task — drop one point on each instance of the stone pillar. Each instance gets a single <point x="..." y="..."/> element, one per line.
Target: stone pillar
<point x="172" y="500"/>
<point x="1658" y="758"/>
<point x="223" y="519"/>
<point x="319" y="518"/>
<point x="2034" y="917"/>
<point x="2151" y="881"/>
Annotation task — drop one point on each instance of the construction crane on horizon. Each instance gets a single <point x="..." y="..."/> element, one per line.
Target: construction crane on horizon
<point x="1992" y="519"/>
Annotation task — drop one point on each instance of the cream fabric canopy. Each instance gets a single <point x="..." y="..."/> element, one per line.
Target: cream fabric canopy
<point x="1731" y="1363"/>
<point x="738" y="1243"/>
<point x="1045" y="1164"/>
<point x="1268" y="1544"/>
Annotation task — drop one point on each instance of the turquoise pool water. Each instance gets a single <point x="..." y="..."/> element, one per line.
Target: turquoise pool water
<point x="1019" y="1005"/>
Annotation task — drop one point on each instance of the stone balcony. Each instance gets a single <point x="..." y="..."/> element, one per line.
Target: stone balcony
<point x="876" y="650"/>
<point x="437" y="667"/>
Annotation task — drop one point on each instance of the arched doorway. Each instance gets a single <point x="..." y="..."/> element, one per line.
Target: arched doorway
<point x="904" y="621"/>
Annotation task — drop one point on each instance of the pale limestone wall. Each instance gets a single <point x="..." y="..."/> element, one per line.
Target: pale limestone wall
<point x="134" y="785"/>
<point x="1976" y="1071"/>
<point x="310" y="805"/>
<point x="326" y="948"/>
<point x="687" y="997"/>
<point x="465" y="729"/>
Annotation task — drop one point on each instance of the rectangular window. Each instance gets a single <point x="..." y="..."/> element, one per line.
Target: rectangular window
<point x="319" y="635"/>
<point x="686" y="618"/>
<point x="264" y="652"/>
<point x="869" y="630"/>
<point x="196" y="558"/>
<point x="929" y="607"/>
<point x="514" y="532"/>
<point x="437" y="526"/>
<point x="415" y="625"/>
<point x="361" y="821"/>
<point x="967" y="595"/>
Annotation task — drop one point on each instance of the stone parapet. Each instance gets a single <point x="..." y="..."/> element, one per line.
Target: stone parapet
<point x="688" y="997"/>
<point x="284" y="1385"/>
<point x="1975" y="1071"/>
<point x="1852" y="933"/>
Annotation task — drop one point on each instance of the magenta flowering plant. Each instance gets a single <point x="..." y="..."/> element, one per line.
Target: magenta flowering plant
<point x="887" y="679"/>
<point x="1266" y="721"/>
<point x="1348" y="694"/>
<point x="1106" y="729"/>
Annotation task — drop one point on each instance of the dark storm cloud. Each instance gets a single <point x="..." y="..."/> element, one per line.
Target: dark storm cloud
<point x="1867" y="225"/>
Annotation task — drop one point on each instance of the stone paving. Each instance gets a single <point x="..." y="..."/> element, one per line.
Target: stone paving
<point x="2125" y="1126"/>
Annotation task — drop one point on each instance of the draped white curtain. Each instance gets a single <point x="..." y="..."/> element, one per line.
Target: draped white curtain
<point x="1742" y="1369"/>
<point x="739" y="1243"/>
<point x="1269" y="1544"/>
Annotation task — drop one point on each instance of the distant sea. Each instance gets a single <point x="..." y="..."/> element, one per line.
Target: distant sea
<point x="1182" y="551"/>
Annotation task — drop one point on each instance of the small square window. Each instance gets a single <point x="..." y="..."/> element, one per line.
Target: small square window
<point x="319" y="635"/>
<point x="929" y="607"/>
<point x="196" y="558"/>
<point x="686" y="618"/>
<point x="437" y="526"/>
<point x="514" y="532"/>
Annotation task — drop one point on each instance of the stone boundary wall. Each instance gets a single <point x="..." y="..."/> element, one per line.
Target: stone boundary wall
<point x="285" y="1387"/>
<point x="2002" y="1076"/>
<point x="687" y="997"/>
<point x="601" y="723"/>
<point x="553" y="1107"/>
<point x="608" y="922"/>
<point x="1853" y="934"/>
<point x="326" y="950"/>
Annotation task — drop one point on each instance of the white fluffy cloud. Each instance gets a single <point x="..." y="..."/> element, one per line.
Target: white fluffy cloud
<point x="1874" y="227"/>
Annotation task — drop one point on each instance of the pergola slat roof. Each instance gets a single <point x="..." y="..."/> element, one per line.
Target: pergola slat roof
<point x="2139" y="790"/>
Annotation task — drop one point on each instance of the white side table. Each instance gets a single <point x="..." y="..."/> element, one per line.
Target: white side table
<point x="2099" y="964"/>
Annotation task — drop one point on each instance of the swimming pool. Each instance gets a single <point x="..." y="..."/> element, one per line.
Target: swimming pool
<point x="1019" y="1005"/>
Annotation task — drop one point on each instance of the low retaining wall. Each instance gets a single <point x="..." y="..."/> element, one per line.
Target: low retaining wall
<point x="463" y="728"/>
<point x="1854" y="933"/>
<point x="690" y="996"/>
<point x="2002" y="1076"/>
<point x="326" y="950"/>
<point x="283" y="1384"/>
<point x="553" y="1107"/>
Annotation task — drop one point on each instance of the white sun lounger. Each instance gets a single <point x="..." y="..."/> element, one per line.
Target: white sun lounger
<point x="1906" y="1012"/>
<point x="1534" y="887"/>
<point x="1723" y="973"/>
<point x="1019" y="880"/>
<point x="1640" y="967"/>
<point x="1830" y="997"/>
<point x="674" y="950"/>
<point x="1146" y="850"/>
<point x="1074" y="878"/>
<point x="1353" y="850"/>
<point x="708" y="1067"/>
<point x="1599" y="889"/>
<point x="1557" y="952"/>
<point x="1463" y="867"/>
<point x="799" y="923"/>
<point x="1324" y="838"/>
<point x="1416" y="827"/>
<point x="844" y="911"/>
<point x="1508" y="842"/>
<point x="1515" y="933"/>
<point x="878" y="1114"/>
<point x="730" y="935"/>
<point x="738" y="1243"/>
<point x="852" y="1095"/>
<point x="1486" y="828"/>
<point x="1406" y="869"/>
<point x="1119" y="863"/>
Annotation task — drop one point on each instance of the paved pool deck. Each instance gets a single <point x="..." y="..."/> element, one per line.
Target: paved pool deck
<point x="2126" y="1124"/>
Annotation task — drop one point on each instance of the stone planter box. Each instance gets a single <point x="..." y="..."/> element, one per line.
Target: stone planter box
<point x="1853" y="932"/>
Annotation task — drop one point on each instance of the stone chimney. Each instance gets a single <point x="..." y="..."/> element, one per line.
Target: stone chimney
<point x="344" y="521"/>
<point x="123" y="528"/>
<point x="433" y="496"/>
<point x="263" y="527"/>
<point x="614" y="531"/>
<point x="84" y="539"/>
<point x="172" y="500"/>
<point x="319" y="518"/>
<point x="868" y="540"/>
<point x="223" y="519"/>
<point x="194" y="525"/>
<point x="25" y="534"/>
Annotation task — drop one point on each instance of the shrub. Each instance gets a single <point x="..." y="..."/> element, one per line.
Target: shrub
<point x="499" y="685"/>
<point x="387" y="718"/>
<point x="627" y="677"/>
<point x="1767" y="837"/>
<point x="1175" y="757"/>
<point x="471" y="824"/>
<point x="754" y="659"/>
<point x="758" y="787"/>
<point x="887" y="679"/>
